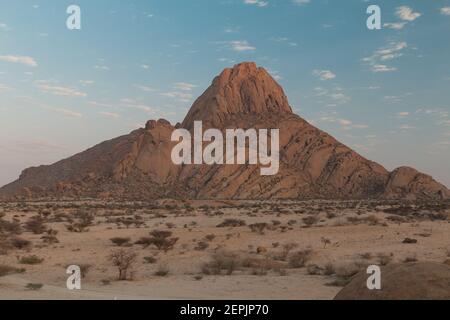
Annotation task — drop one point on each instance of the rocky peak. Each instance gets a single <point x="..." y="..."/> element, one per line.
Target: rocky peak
<point x="243" y="89"/>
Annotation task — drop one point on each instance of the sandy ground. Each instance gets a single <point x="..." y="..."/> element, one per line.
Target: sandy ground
<point x="333" y="239"/>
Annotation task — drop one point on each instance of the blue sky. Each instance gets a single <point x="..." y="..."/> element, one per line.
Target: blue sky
<point x="384" y="93"/>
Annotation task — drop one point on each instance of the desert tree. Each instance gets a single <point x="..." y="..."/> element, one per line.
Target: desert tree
<point x="124" y="260"/>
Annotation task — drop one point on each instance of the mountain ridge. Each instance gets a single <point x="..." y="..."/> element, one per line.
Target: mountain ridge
<point x="313" y="164"/>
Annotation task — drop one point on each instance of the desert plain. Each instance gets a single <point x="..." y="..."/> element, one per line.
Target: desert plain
<point x="210" y="249"/>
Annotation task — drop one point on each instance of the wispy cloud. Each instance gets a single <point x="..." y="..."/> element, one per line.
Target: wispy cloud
<point x="109" y="114"/>
<point x="4" y="26"/>
<point x="4" y="87"/>
<point x="404" y="13"/>
<point x="407" y="14"/>
<point x="240" y="46"/>
<point x="86" y="82"/>
<point x="184" y="86"/>
<point x="144" y="88"/>
<point x="324" y="74"/>
<point x="406" y="127"/>
<point x="101" y="67"/>
<point x="177" y="95"/>
<point x="445" y="11"/>
<point x="31" y="145"/>
<point x="395" y="25"/>
<point x="100" y="104"/>
<point x="284" y="40"/>
<point x="29" y="61"/>
<point x="332" y="97"/>
<point x="345" y="124"/>
<point x="382" y="68"/>
<point x="58" y="90"/>
<point x="301" y="2"/>
<point x="63" y="111"/>
<point x="390" y="52"/>
<point x="130" y="103"/>
<point x="402" y="114"/>
<point x="258" y="3"/>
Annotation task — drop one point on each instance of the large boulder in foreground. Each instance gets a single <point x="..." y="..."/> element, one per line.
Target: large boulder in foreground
<point x="412" y="281"/>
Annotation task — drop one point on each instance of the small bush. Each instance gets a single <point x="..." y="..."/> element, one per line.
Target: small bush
<point x="160" y="239"/>
<point x="36" y="225"/>
<point x="221" y="262"/>
<point x="298" y="259"/>
<point x="384" y="259"/>
<point x="328" y="269"/>
<point x="210" y="237"/>
<point x="7" y="270"/>
<point x="50" y="237"/>
<point x="202" y="245"/>
<point x="34" y="286"/>
<point x="119" y="241"/>
<point x="20" y="243"/>
<point x="31" y="260"/>
<point x="150" y="260"/>
<point x="310" y="220"/>
<point x="411" y="258"/>
<point x="82" y="220"/>
<point x="231" y="223"/>
<point x="162" y="271"/>
<point x="10" y="227"/>
<point x="258" y="227"/>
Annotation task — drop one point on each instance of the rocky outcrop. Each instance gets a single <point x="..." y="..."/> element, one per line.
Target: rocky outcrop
<point x="312" y="163"/>
<point x="411" y="281"/>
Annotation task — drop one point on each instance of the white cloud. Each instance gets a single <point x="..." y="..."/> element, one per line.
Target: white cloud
<point x="258" y="3"/>
<point x="336" y="96"/>
<point x="241" y="46"/>
<point x="184" y="86"/>
<point x="395" y="25"/>
<point x="5" y="27"/>
<point x="180" y="96"/>
<point x="382" y="68"/>
<point x="109" y="114"/>
<point x="144" y="88"/>
<point x="344" y="123"/>
<point x="275" y="74"/>
<point x="86" y="82"/>
<point x="301" y="2"/>
<point x="99" y="104"/>
<point x="402" y="114"/>
<point x="66" y="112"/>
<point x="35" y="145"/>
<point x="145" y="66"/>
<point x="445" y="11"/>
<point x="4" y="87"/>
<point x="324" y="74"/>
<point x="101" y="67"/>
<point x="407" y="14"/>
<point x="390" y="52"/>
<point x="29" y="61"/>
<point x="141" y="107"/>
<point x="58" y="90"/>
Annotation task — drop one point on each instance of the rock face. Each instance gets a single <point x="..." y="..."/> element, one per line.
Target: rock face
<point x="312" y="163"/>
<point x="415" y="281"/>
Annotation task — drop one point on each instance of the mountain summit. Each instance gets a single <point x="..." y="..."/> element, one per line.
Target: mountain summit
<point x="312" y="163"/>
<point x="243" y="89"/>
